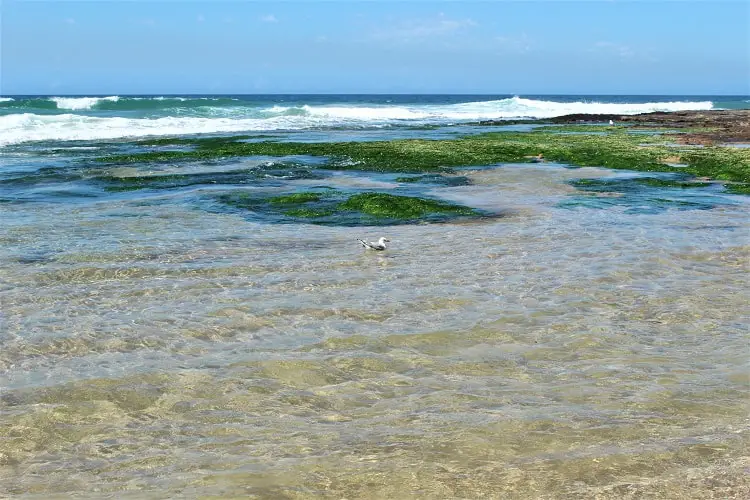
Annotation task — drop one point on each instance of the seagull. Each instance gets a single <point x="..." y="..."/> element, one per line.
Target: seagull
<point x="379" y="245"/>
<point x="611" y="122"/>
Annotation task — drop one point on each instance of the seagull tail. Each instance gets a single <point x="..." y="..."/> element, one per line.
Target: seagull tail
<point x="364" y="244"/>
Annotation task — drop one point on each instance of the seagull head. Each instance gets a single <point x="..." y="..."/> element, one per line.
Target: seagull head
<point x="383" y="239"/>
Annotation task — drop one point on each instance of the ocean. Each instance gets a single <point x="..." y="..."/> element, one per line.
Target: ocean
<point x="163" y="335"/>
<point x="42" y="118"/>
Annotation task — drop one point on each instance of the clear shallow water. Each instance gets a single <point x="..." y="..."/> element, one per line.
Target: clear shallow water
<point x="585" y="343"/>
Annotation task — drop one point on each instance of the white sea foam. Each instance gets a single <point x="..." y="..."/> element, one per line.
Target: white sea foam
<point x="515" y="107"/>
<point x="518" y="106"/>
<point x="68" y="127"/>
<point x="277" y="109"/>
<point x="6" y="99"/>
<point x="374" y="113"/>
<point x="17" y="128"/>
<point x="181" y="99"/>
<point x="79" y="103"/>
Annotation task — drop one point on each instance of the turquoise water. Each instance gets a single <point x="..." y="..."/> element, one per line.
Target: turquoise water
<point x="35" y="118"/>
<point x="587" y="338"/>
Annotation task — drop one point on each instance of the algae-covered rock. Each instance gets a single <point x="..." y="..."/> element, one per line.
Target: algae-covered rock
<point x="335" y="208"/>
<point x="401" y="207"/>
<point x="739" y="188"/>
<point x="600" y="146"/>
<point x="294" y="199"/>
<point x="309" y="213"/>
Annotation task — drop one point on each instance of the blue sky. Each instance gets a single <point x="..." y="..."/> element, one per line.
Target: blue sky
<point x="500" y="47"/>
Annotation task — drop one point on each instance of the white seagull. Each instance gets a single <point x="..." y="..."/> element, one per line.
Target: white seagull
<point x="372" y="245"/>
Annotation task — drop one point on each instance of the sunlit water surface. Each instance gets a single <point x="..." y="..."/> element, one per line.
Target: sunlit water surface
<point x="152" y="348"/>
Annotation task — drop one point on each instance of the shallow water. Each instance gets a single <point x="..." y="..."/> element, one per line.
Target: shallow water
<point x="572" y="347"/>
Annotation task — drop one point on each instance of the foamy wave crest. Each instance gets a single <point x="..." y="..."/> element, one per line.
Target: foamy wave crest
<point x="6" y="99"/>
<point x="375" y="113"/>
<point x="183" y="99"/>
<point x="26" y="127"/>
<point x="219" y="118"/>
<point x="519" y="107"/>
<point x="515" y="107"/>
<point x="78" y="103"/>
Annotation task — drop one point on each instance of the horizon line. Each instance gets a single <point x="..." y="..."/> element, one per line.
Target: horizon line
<point x="513" y="94"/>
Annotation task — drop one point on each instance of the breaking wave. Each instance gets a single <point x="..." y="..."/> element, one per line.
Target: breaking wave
<point x="77" y="103"/>
<point x="114" y="117"/>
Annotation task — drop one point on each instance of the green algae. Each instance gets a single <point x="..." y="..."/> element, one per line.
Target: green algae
<point x="134" y="183"/>
<point x="670" y="183"/>
<point x="727" y="164"/>
<point x="309" y="213"/>
<point x="415" y="155"/>
<point x="740" y="188"/>
<point x="258" y="201"/>
<point x="296" y="198"/>
<point x="335" y="207"/>
<point x="115" y="184"/>
<point x="640" y="152"/>
<point x="304" y="198"/>
<point x="634" y="184"/>
<point x="401" y="207"/>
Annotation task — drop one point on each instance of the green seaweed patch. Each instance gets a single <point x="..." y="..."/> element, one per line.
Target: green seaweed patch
<point x="619" y="151"/>
<point x="309" y="213"/>
<point x="739" y="188"/>
<point x="123" y="184"/>
<point x="623" y="151"/>
<point x="333" y="208"/>
<point x="634" y="184"/>
<point x="413" y="155"/>
<point x="401" y="207"/>
<point x="115" y="184"/>
<point x="243" y="200"/>
<point x="669" y="183"/>
<point x="296" y="198"/>
<point x="684" y="204"/>
<point x="728" y="164"/>
<point x="294" y="205"/>
<point x="125" y="188"/>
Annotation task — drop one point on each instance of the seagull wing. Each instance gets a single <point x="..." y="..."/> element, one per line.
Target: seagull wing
<point x="372" y="245"/>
